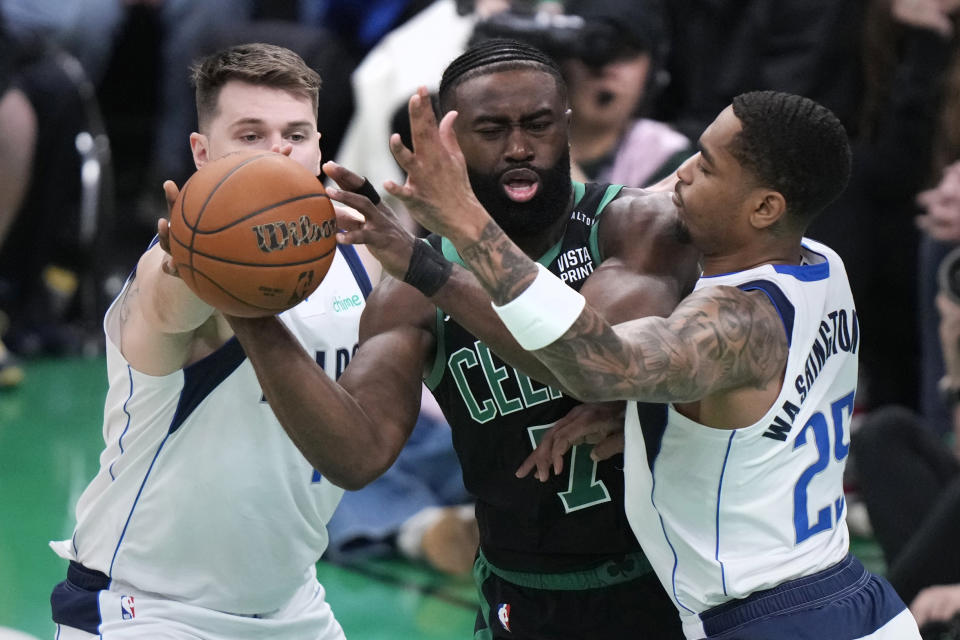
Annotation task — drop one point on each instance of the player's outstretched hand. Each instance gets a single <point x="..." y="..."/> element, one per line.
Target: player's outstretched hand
<point x="598" y="424"/>
<point x="170" y="193"/>
<point x="380" y="229"/>
<point x="437" y="191"/>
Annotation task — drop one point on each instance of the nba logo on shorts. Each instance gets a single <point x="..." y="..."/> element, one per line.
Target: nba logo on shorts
<point x="503" y="613"/>
<point x="126" y="607"/>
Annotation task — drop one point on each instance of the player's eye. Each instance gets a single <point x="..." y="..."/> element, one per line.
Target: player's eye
<point x="296" y="137"/>
<point x="539" y="125"/>
<point x="250" y="137"/>
<point x="490" y="132"/>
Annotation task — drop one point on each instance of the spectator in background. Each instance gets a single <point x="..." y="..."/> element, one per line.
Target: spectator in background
<point x="45" y="107"/>
<point x="910" y="482"/>
<point x="907" y="48"/>
<point x="940" y="224"/>
<point x="721" y="48"/>
<point x="610" y="141"/>
<point x="411" y="55"/>
<point x="18" y="133"/>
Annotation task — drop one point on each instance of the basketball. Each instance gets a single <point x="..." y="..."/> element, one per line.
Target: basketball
<point x="252" y="233"/>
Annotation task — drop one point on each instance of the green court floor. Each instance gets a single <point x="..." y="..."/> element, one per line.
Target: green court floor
<point x="49" y="443"/>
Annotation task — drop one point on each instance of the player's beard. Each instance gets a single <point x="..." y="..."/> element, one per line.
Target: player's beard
<point x="681" y="232"/>
<point x="529" y="219"/>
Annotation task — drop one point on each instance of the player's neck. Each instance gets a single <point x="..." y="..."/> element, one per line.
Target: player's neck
<point x="537" y="243"/>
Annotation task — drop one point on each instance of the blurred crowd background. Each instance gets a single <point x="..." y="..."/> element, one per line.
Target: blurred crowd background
<point x="96" y="110"/>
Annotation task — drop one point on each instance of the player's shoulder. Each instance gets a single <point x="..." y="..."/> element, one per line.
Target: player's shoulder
<point x="641" y="210"/>
<point x="642" y="220"/>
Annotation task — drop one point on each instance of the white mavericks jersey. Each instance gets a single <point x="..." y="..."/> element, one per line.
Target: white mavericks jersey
<point x="201" y="496"/>
<point x="724" y="513"/>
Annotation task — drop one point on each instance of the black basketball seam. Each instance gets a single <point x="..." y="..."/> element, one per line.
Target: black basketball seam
<point x="230" y="294"/>
<point x="259" y="264"/>
<point x="183" y="202"/>
<point x="220" y="183"/>
<point x="259" y="211"/>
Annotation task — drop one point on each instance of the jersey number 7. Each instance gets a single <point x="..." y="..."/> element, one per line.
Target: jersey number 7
<point x="583" y="488"/>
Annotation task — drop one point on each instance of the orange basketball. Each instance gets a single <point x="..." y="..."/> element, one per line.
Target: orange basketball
<point x="252" y="233"/>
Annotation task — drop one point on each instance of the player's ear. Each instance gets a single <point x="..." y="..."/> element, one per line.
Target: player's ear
<point x="200" y="147"/>
<point x="769" y="207"/>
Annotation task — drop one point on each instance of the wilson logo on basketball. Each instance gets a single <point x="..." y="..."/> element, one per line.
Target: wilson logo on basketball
<point x="277" y="236"/>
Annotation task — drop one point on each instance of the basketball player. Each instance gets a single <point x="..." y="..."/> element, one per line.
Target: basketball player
<point x="735" y="488"/>
<point x="205" y="520"/>
<point x="556" y="560"/>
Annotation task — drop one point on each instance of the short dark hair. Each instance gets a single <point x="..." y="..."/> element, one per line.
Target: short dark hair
<point x="256" y="63"/>
<point x="493" y="56"/>
<point x="794" y="145"/>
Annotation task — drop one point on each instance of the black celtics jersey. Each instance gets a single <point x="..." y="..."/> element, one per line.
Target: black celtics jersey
<point x="497" y="414"/>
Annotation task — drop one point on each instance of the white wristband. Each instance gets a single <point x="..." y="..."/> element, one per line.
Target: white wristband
<point x="543" y="312"/>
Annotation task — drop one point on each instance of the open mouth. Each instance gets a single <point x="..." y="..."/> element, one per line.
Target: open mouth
<point x="604" y="97"/>
<point x="520" y="185"/>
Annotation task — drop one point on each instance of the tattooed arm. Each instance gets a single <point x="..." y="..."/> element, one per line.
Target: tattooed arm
<point x="718" y="339"/>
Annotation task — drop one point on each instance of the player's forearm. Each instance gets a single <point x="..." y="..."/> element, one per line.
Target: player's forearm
<point x="717" y="339"/>
<point x="468" y="303"/>
<point x="499" y="265"/>
<point x="505" y="272"/>
<point x="167" y="303"/>
<point x="329" y="427"/>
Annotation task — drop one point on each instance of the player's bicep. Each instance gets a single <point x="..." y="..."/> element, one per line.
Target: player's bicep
<point x="729" y="339"/>
<point x="619" y="292"/>
<point x="148" y="320"/>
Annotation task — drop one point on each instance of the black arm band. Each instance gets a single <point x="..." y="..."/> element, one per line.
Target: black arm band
<point x="428" y="270"/>
<point x="366" y="189"/>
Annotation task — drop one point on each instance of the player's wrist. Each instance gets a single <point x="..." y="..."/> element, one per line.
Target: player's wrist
<point x="428" y="270"/>
<point x="543" y="312"/>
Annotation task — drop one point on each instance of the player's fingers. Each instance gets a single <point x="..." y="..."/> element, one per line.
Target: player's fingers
<point x="403" y="192"/>
<point x="350" y="181"/>
<point x="356" y="201"/>
<point x="448" y="137"/>
<point x="170" y="193"/>
<point x="526" y="466"/>
<point x="348" y="219"/>
<point x="423" y="122"/>
<point x="163" y="234"/>
<point x="345" y="179"/>
<point x="401" y="154"/>
<point x="608" y="447"/>
<point x="353" y="236"/>
<point x="169" y="267"/>
<point x="286" y="148"/>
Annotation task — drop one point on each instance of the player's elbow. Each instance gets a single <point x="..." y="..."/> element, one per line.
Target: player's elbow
<point x="352" y="481"/>
<point x="587" y="392"/>
<point x="358" y="473"/>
